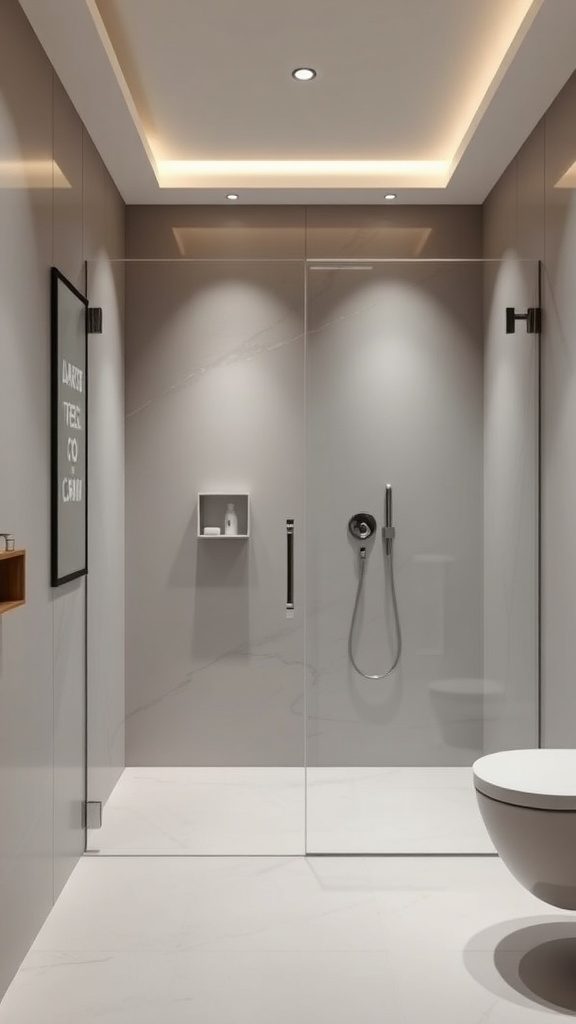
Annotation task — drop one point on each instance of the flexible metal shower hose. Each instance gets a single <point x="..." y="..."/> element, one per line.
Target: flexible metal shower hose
<point x="396" y="617"/>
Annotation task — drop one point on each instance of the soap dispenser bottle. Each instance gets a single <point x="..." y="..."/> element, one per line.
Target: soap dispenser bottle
<point x="230" y="521"/>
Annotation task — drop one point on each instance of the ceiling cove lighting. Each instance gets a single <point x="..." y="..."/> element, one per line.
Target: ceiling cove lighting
<point x="304" y="74"/>
<point x="513" y="25"/>
<point x="301" y="173"/>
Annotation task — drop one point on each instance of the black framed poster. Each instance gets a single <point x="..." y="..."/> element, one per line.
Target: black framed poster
<point x="68" y="436"/>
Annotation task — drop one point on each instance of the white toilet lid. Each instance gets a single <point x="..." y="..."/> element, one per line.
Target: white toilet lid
<point x="529" y="778"/>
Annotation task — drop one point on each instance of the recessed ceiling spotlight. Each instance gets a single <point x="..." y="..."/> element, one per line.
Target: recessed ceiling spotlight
<point x="304" y="74"/>
<point x="232" y="195"/>
<point x="390" y="196"/>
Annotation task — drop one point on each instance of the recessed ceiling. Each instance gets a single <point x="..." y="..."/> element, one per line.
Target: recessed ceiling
<point x="188" y="101"/>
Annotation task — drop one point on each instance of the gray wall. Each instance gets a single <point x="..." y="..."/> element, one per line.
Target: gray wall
<point x="214" y="404"/>
<point x="510" y="509"/>
<point x="42" y="645"/>
<point x="395" y="395"/>
<point x="527" y="215"/>
<point x="215" y="391"/>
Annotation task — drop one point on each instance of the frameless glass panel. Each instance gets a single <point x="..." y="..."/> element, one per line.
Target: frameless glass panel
<point x="412" y="382"/>
<point x="214" y="658"/>
<point x="421" y="412"/>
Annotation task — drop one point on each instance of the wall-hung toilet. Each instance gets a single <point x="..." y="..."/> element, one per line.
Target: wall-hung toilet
<point x="527" y="799"/>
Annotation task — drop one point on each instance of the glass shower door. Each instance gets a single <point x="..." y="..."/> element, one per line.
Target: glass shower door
<point x="413" y="385"/>
<point x="213" y="714"/>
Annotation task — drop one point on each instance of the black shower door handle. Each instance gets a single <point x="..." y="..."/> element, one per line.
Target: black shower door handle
<point x="289" y="568"/>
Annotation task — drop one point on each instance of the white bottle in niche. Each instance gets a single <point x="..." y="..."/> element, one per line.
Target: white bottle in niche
<point x="230" y="521"/>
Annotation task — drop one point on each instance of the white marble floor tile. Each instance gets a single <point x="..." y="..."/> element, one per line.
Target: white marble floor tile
<point x="263" y="811"/>
<point x="451" y="920"/>
<point x="245" y="988"/>
<point x="204" y="811"/>
<point x="275" y="940"/>
<point x="393" y="810"/>
<point x="446" y="987"/>
<point x="204" y="903"/>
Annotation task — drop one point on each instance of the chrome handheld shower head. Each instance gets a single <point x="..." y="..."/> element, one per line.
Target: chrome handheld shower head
<point x="388" y="531"/>
<point x="362" y="526"/>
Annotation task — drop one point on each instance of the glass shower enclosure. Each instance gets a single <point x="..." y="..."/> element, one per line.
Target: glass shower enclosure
<point x="264" y="712"/>
<point x="416" y="393"/>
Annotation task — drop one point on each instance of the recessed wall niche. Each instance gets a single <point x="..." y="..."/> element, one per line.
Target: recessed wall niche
<point x="212" y="513"/>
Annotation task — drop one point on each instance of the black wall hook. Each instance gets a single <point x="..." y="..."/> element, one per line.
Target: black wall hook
<point x="94" y="320"/>
<point x="532" y="316"/>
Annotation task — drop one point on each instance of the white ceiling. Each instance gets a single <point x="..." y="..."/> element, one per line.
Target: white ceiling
<point x="187" y="100"/>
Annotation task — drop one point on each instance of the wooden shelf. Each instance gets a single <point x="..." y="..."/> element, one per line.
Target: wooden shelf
<point x="7" y="606"/>
<point x="12" y="580"/>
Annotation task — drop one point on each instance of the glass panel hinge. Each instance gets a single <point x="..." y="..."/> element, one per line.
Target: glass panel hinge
<point x="93" y="814"/>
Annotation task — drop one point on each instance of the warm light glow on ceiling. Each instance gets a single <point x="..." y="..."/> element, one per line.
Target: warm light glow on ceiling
<point x="505" y="40"/>
<point x="475" y="96"/>
<point x="32" y="174"/>
<point x="301" y="173"/>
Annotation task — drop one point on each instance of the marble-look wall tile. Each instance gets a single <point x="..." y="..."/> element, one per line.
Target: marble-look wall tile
<point x="215" y="232"/>
<point x="394" y="395"/>
<point x="501" y="216"/>
<point x="215" y="364"/>
<point x="42" y="645"/>
<point x="69" y="189"/>
<point x="211" y="678"/>
<point x="541" y="223"/>
<point x="69" y="729"/>
<point x="104" y="244"/>
<point x="403" y="232"/>
<point x="26" y="634"/>
<point x="531" y="177"/>
<point x="511" y="458"/>
<point x="510" y="509"/>
<point x="26" y="698"/>
<point x="69" y="600"/>
<point x="559" y="428"/>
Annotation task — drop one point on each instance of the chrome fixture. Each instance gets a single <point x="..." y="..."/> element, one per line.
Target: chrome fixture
<point x="388" y="531"/>
<point x="362" y="526"/>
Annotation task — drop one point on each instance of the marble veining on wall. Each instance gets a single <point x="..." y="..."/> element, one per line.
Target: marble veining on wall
<point x="214" y="667"/>
<point x="394" y="395"/>
<point x="249" y="349"/>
